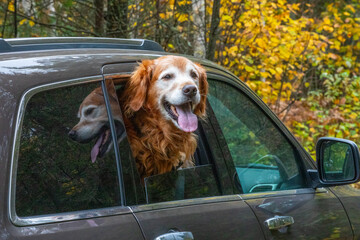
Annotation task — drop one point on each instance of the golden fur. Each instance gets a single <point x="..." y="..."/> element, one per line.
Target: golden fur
<point x="158" y="146"/>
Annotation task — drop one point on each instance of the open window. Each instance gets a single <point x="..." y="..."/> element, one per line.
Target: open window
<point x="195" y="182"/>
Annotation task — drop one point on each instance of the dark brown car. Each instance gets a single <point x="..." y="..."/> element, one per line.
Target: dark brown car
<point x="252" y="179"/>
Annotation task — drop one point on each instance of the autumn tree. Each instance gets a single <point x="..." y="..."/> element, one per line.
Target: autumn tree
<point x="301" y="57"/>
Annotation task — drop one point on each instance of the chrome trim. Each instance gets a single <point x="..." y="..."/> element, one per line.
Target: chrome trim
<point x="43" y="40"/>
<point x="247" y="196"/>
<point x="25" y="221"/>
<point x="273" y="186"/>
<point x="186" y="202"/>
<point x="70" y="216"/>
<point x="171" y="235"/>
<point x="278" y="222"/>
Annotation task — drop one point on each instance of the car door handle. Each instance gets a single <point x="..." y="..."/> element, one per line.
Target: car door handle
<point x="278" y="222"/>
<point x="176" y="236"/>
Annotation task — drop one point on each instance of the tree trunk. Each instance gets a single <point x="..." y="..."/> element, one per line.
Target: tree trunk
<point x="157" y="25"/>
<point x="198" y="9"/>
<point x="15" y="19"/>
<point x="215" y="20"/>
<point x="99" y="17"/>
<point x="117" y="21"/>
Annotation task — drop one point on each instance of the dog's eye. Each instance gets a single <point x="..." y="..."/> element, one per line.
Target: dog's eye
<point x="167" y="76"/>
<point x="89" y="111"/>
<point x="193" y="74"/>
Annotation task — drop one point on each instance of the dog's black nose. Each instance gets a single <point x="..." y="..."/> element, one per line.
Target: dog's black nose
<point x="72" y="134"/>
<point x="189" y="90"/>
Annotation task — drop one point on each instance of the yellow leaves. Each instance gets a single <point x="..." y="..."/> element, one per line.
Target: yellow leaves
<point x="11" y="6"/>
<point x="184" y="2"/>
<point x="341" y="38"/>
<point x="233" y="51"/>
<point x="170" y="46"/>
<point x="31" y="23"/>
<point x="353" y="115"/>
<point x="182" y="17"/>
<point x="272" y="71"/>
<point x="351" y="8"/>
<point x="261" y="43"/>
<point x="279" y="70"/>
<point x="132" y="6"/>
<point x="333" y="56"/>
<point x="249" y="69"/>
<point x="252" y="85"/>
<point x="264" y="74"/>
<point x="227" y="20"/>
<point x="23" y="21"/>
<point x="327" y="21"/>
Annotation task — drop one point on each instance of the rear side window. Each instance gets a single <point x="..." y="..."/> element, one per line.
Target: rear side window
<point x="56" y="171"/>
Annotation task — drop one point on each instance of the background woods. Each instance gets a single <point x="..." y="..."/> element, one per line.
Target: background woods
<point x="301" y="57"/>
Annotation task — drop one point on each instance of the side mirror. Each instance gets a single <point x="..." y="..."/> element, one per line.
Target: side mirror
<point x="337" y="161"/>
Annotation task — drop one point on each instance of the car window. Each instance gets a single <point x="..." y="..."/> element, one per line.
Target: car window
<point x="264" y="159"/>
<point x="57" y="172"/>
<point x="194" y="182"/>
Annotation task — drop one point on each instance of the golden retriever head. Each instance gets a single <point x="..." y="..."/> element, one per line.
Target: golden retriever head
<point x="172" y="85"/>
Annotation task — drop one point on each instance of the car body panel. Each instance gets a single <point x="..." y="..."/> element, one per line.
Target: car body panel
<point x="123" y="226"/>
<point x="205" y="218"/>
<point x="313" y="211"/>
<point x="350" y="198"/>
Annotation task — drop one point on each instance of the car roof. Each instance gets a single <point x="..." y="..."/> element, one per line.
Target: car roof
<point x="31" y="67"/>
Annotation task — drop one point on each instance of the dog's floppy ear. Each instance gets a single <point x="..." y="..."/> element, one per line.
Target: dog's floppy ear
<point x="138" y="85"/>
<point x="200" y="109"/>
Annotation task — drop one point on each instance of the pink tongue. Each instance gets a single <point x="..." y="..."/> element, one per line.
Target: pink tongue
<point x="187" y="119"/>
<point x="96" y="149"/>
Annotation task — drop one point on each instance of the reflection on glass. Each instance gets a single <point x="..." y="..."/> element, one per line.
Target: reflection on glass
<point x="55" y="169"/>
<point x="338" y="161"/>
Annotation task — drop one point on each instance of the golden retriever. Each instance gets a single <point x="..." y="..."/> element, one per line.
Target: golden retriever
<point x="161" y="103"/>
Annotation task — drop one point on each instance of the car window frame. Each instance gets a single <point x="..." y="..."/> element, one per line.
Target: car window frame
<point x="303" y="160"/>
<point x="55" y="217"/>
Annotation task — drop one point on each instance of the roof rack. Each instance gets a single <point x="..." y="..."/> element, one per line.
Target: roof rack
<point x="50" y="43"/>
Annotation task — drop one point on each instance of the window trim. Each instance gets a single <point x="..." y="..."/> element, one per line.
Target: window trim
<point x="56" y="217"/>
<point x="304" y="160"/>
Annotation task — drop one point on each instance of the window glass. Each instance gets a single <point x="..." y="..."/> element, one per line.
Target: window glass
<point x="58" y="171"/>
<point x="185" y="183"/>
<point x="263" y="157"/>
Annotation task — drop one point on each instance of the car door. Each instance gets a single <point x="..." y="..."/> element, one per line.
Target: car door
<point x="270" y="170"/>
<point x="58" y="190"/>
<point x="188" y="202"/>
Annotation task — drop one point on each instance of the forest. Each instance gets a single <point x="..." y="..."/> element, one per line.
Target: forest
<point x="300" y="57"/>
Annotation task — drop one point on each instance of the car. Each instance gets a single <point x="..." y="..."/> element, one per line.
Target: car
<point x="252" y="178"/>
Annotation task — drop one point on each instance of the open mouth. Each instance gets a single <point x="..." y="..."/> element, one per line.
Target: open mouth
<point x="183" y="115"/>
<point x="104" y="140"/>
